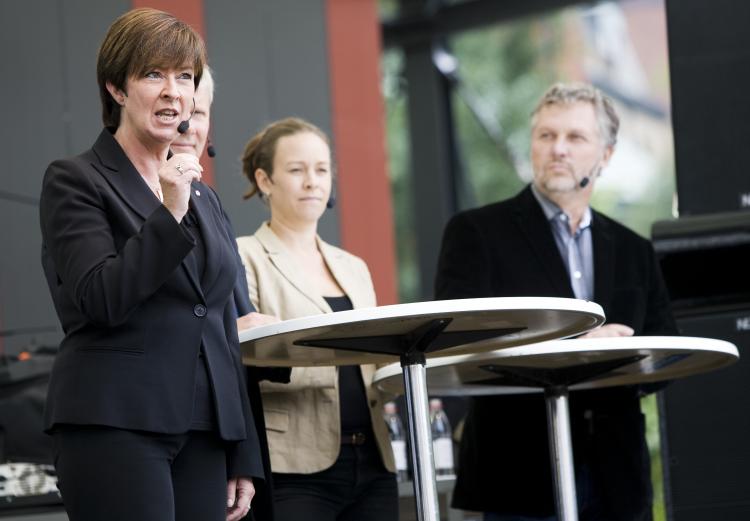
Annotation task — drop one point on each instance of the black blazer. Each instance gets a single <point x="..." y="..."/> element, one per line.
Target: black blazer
<point x="133" y="312"/>
<point x="507" y="249"/>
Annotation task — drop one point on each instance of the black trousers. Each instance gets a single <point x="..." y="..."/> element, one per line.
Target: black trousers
<point x="120" y="475"/>
<point x="356" y="488"/>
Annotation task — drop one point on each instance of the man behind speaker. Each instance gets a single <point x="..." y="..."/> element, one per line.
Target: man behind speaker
<point x="547" y="241"/>
<point x="193" y="139"/>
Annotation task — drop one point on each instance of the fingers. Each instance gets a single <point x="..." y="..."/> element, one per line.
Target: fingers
<point x="255" y="319"/>
<point x="246" y="491"/>
<point x="240" y="493"/>
<point x="231" y="491"/>
<point x="175" y="177"/>
<point x="610" y="330"/>
<point x="181" y="168"/>
<point x="617" y="330"/>
<point x="233" y="512"/>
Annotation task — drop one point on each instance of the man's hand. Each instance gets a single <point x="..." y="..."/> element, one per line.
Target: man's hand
<point x="240" y="492"/>
<point x="255" y="319"/>
<point x="609" y="330"/>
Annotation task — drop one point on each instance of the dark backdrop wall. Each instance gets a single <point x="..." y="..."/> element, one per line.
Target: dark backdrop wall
<point x="271" y="59"/>
<point x="49" y="84"/>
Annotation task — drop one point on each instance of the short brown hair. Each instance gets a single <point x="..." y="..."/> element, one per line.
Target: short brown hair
<point x="261" y="149"/>
<point x="139" y="40"/>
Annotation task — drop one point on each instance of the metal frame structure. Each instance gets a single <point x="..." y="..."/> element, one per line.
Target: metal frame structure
<point x="420" y="30"/>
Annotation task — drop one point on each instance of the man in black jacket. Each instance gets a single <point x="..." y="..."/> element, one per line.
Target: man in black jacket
<point x="547" y="241"/>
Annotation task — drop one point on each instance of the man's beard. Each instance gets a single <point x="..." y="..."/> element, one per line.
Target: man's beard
<point x="559" y="183"/>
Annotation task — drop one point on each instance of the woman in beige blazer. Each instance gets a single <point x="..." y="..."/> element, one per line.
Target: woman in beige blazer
<point x="330" y="452"/>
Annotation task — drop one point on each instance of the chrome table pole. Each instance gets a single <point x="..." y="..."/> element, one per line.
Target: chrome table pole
<point x="420" y="437"/>
<point x="561" y="452"/>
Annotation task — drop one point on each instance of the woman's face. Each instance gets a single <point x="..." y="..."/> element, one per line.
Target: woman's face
<point x="301" y="183"/>
<point x="156" y="103"/>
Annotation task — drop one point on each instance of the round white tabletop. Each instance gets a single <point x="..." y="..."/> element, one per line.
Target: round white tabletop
<point x="586" y="363"/>
<point x="446" y="327"/>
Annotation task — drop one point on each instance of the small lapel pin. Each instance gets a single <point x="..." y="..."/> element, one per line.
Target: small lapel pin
<point x="198" y="193"/>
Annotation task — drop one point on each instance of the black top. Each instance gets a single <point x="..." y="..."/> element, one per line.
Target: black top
<point x="355" y="415"/>
<point x="129" y="356"/>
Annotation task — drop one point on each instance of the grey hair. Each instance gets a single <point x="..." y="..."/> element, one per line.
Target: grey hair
<point x="568" y="93"/>
<point x="207" y="81"/>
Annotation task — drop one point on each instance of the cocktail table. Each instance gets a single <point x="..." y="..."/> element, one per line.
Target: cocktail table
<point x="413" y="333"/>
<point x="560" y="366"/>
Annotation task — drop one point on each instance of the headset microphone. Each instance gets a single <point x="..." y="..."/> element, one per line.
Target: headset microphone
<point x="331" y="203"/>
<point x="185" y="125"/>
<point x="585" y="180"/>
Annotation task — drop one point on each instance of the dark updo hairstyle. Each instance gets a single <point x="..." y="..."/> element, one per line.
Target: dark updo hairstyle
<point x="138" y="41"/>
<point x="261" y="149"/>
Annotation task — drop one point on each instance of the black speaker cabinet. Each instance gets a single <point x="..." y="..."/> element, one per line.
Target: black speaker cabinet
<point x="705" y="424"/>
<point x="710" y="70"/>
<point x="705" y="419"/>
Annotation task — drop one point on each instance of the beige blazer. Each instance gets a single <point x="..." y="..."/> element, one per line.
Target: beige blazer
<point x="302" y="417"/>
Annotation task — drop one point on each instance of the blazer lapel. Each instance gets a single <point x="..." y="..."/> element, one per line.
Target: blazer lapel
<point x="532" y="221"/>
<point x="122" y="176"/>
<point x="199" y="201"/>
<point x="283" y="261"/>
<point x="343" y="274"/>
<point x="604" y="260"/>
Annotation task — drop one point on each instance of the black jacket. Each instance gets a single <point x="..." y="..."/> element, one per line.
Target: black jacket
<point x="507" y="249"/>
<point x="133" y="312"/>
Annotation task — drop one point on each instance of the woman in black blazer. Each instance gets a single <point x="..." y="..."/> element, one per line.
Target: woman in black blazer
<point x="147" y="398"/>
